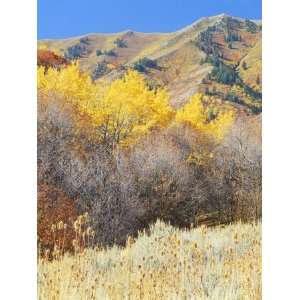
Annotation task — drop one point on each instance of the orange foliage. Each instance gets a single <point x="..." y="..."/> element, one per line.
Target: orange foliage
<point x="249" y="39"/>
<point x="54" y="207"/>
<point x="49" y="59"/>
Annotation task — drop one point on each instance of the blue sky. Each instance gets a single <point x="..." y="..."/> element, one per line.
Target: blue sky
<point x="67" y="18"/>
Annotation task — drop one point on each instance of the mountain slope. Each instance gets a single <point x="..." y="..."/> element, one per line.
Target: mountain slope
<point x="218" y="55"/>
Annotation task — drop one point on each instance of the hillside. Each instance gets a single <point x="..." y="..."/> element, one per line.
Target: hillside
<point x="149" y="164"/>
<point x="218" y="55"/>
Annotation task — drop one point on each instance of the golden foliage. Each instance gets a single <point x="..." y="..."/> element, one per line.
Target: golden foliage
<point x="205" y="117"/>
<point x="76" y="86"/>
<point x="127" y="109"/>
<point x="124" y="110"/>
<point x="209" y="120"/>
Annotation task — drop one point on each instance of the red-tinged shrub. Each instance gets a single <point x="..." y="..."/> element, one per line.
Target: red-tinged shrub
<point x="49" y="59"/>
<point x="55" y="207"/>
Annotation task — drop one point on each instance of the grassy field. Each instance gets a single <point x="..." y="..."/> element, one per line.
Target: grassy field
<point x="165" y="263"/>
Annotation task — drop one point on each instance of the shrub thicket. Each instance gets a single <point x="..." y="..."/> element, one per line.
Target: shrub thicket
<point x="223" y="73"/>
<point x="99" y="52"/>
<point x="49" y="59"/>
<point x="129" y="158"/>
<point x="120" y="43"/>
<point x="142" y="64"/>
<point x="56" y="213"/>
<point x="76" y="51"/>
<point x="251" y="26"/>
<point x="100" y="70"/>
<point x="110" y="53"/>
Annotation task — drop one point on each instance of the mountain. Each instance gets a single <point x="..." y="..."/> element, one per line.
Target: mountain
<point x="219" y="56"/>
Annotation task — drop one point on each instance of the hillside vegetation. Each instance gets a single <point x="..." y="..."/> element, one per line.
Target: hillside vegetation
<point x="136" y="131"/>
<point x="180" y="57"/>
<point x="164" y="263"/>
<point x="121" y="152"/>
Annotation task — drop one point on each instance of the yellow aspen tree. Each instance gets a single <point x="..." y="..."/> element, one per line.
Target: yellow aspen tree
<point x="211" y="123"/>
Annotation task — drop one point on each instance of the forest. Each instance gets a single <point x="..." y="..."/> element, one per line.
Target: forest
<point x="121" y="153"/>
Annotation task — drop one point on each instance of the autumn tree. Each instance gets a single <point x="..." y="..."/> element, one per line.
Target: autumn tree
<point x="203" y="114"/>
<point x="122" y="111"/>
<point x="128" y="109"/>
<point x="49" y="59"/>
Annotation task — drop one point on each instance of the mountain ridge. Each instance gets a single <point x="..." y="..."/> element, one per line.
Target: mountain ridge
<point x="146" y="32"/>
<point x="192" y="59"/>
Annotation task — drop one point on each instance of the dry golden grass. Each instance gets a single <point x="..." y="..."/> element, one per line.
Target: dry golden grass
<point x="254" y="66"/>
<point x="166" y="263"/>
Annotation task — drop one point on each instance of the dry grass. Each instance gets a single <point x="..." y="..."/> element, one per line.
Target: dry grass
<point x="254" y="66"/>
<point x="166" y="263"/>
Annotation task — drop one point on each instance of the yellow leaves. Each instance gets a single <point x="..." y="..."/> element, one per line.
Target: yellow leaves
<point x="205" y="117"/>
<point x="193" y="113"/>
<point x="209" y="120"/>
<point x="70" y="82"/>
<point x="219" y="127"/>
<point x="41" y="78"/>
<point x="133" y="109"/>
<point x="126" y="109"/>
<point x="72" y="90"/>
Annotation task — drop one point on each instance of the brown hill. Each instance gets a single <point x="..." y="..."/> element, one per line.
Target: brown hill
<point x="218" y="55"/>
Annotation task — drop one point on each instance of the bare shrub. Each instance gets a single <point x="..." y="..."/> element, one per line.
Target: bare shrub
<point x="168" y="187"/>
<point x="73" y="160"/>
<point x="235" y="173"/>
<point x="175" y="175"/>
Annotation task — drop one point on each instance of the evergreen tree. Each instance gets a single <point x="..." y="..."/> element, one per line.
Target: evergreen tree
<point x="120" y="43"/>
<point x="100" y="70"/>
